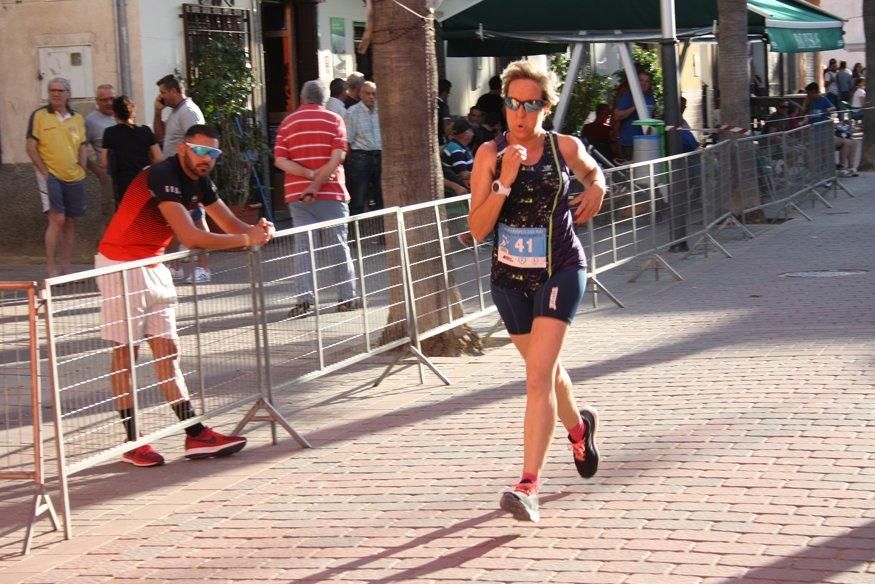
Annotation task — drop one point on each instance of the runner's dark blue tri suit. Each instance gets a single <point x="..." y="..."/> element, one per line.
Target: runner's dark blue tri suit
<point x="538" y="263"/>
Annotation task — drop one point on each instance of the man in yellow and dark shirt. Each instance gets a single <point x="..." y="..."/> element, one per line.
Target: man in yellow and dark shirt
<point x="56" y="146"/>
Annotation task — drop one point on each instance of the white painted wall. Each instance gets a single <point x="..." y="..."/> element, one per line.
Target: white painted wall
<point x="855" y="40"/>
<point x="163" y="47"/>
<point x="333" y="63"/>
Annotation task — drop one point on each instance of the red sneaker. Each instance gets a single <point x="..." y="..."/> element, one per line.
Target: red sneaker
<point x="210" y="443"/>
<point x="145" y="455"/>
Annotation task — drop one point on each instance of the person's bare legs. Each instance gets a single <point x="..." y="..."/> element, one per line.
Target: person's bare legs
<point x="120" y="380"/>
<point x="68" y="237"/>
<point x="170" y="378"/>
<point x="54" y="235"/>
<point x="548" y="390"/>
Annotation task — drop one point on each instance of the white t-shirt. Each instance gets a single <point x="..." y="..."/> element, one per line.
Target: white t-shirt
<point x="181" y="118"/>
<point x="858" y="98"/>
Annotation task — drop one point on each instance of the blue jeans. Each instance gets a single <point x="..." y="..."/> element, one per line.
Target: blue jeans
<point x="362" y="169"/>
<point x="334" y="251"/>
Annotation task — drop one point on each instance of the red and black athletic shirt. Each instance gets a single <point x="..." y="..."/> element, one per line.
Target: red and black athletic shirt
<point x="138" y="230"/>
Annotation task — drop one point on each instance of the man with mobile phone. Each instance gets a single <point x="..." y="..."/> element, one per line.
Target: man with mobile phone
<point x="183" y="114"/>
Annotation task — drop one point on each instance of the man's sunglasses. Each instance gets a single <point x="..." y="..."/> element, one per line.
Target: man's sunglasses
<point x="530" y="106"/>
<point x="204" y="150"/>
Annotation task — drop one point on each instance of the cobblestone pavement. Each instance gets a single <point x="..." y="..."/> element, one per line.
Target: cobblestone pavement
<point x="737" y="441"/>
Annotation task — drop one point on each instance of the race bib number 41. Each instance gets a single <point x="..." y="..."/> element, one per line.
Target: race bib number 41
<point x="522" y="247"/>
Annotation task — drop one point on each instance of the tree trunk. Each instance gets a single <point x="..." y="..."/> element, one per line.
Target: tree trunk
<point x="733" y="70"/>
<point x="405" y="71"/>
<point x="867" y="162"/>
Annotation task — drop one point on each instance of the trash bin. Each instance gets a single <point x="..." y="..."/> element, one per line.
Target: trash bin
<point x="651" y="128"/>
<point x="649" y="146"/>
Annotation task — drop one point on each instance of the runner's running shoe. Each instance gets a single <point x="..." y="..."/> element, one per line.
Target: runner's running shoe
<point x="586" y="452"/>
<point x="522" y="502"/>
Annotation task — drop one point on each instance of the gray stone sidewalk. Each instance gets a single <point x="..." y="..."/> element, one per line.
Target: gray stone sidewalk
<point x="737" y="441"/>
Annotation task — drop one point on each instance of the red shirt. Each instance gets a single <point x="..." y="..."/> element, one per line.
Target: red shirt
<point x="308" y="136"/>
<point x="138" y="230"/>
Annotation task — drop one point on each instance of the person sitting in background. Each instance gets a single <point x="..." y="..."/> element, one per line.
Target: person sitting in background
<point x="816" y="107"/>
<point x="598" y="132"/>
<point x="779" y="120"/>
<point x="456" y="163"/>
<point x="456" y="156"/>
<point x="127" y="148"/>
<point x="477" y="119"/>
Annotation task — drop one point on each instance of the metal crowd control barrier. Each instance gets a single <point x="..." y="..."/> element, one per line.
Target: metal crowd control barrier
<point x="21" y="438"/>
<point x="778" y="171"/>
<point x="323" y="297"/>
<point x="93" y="378"/>
<point x="652" y="205"/>
<point x="351" y="306"/>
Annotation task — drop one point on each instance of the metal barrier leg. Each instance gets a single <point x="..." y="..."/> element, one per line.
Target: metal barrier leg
<point x="271" y="415"/>
<point x="838" y="185"/>
<point x="815" y="196"/>
<point x="41" y="504"/>
<point x="655" y="261"/>
<point x="731" y="221"/>
<point x="798" y="210"/>
<point x="422" y="360"/>
<point x="599" y="287"/>
<point x="496" y="326"/>
<point x="706" y="241"/>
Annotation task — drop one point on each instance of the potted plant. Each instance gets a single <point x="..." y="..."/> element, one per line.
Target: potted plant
<point x="222" y="84"/>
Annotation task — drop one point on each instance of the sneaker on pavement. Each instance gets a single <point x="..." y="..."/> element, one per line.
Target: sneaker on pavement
<point x="178" y="274"/>
<point x="522" y="502"/>
<point x="349" y="305"/>
<point x="199" y="276"/>
<point x="210" y="443"/>
<point x="145" y="455"/>
<point x="586" y="452"/>
<point x="300" y="309"/>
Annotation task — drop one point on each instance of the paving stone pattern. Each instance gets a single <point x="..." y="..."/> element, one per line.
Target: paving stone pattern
<point x="737" y="440"/>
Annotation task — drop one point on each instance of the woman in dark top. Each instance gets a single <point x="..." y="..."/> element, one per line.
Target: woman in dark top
<point x="127" y="147"/>
<point x="519" y="193"/>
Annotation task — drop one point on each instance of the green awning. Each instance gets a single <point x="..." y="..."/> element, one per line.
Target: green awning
<point x="516" y="27"/>
<point x="793" y="27"/>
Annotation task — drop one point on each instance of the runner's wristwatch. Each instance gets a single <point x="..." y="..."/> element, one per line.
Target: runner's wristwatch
<point x="500" y="189"/>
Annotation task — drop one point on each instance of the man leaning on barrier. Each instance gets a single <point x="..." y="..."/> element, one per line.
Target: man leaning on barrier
<point x="156" y="207"/>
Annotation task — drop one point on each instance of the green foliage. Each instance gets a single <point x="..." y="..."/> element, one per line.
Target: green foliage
<point x="222" y="86"/>
<point x="590" y="90"/>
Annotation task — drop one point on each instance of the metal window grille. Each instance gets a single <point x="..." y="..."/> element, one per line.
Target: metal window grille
<point x="202" y="22"/>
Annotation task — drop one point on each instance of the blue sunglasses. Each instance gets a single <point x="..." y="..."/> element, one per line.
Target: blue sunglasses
<point x="530" y="106"/>
<point x="204" y="150"/>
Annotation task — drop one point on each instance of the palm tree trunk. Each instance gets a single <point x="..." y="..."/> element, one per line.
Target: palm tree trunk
<point x="733" y="70"/>
<point x="405" y="70"/>
<point x="868" y="159"/>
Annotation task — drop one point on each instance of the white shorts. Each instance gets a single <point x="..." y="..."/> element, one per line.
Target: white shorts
<point x="151" y="298"/>
<point x="43" y="191"/>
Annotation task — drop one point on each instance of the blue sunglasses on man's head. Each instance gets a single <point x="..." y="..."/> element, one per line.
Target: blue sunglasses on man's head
<point x="204" y="150"/>
<point x="530" y="106"/>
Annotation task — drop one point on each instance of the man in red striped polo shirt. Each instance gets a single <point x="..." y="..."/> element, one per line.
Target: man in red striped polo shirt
<point x="310" y="148"/>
